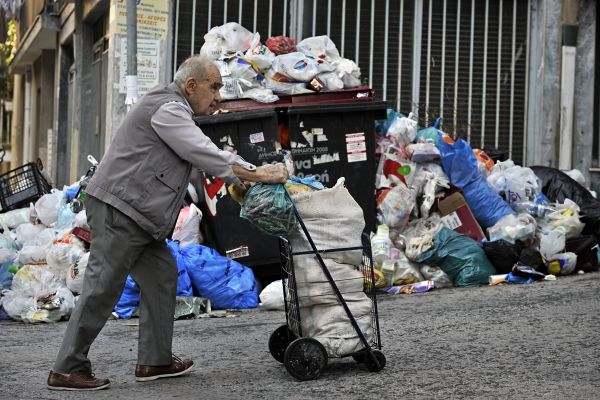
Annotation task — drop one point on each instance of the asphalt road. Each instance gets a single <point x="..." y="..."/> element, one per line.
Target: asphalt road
<point x="531" y="341"/>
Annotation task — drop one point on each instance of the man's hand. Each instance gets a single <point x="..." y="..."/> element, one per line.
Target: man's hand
<point x="270" y="173"/>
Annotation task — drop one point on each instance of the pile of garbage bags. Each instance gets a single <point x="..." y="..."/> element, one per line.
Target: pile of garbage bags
<point x="42" y="263"/>
<point x="451" y="213"/>
<point x="44" y="252"/>
<point x="279" y="67"/>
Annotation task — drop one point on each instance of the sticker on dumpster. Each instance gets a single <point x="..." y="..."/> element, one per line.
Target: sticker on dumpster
<point x="326" y="158"/>
<point x="356" y="147"/>
<point x="257" y="137"/>
<point x="238" y="252"/>
<point x="451" y="221"/>
<point x="310" y="139"/>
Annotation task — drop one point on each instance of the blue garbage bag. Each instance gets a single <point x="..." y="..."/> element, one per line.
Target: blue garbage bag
<point x="130" y="299"/>
<point x="227" y="283"/>
<point x="72" y="191"/>
<point x="5" y="276"/>
<point x="184" y="283"/>
<point x="459" y="256"/>
<point x="460" y="164"/>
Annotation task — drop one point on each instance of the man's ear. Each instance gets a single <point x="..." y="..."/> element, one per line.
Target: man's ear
<point x="191" y="85"/>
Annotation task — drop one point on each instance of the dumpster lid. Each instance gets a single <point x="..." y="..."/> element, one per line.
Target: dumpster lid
<point x="234" y="117"/>
<point x="336" y="108"/>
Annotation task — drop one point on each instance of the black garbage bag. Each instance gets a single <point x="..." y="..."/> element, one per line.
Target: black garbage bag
<point x="533" y="258"/>
<point x="502" y="254"/>
<point x="558" y="186"/>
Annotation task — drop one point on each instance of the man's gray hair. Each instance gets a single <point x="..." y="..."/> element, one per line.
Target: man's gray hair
<point x="196" y="66"/>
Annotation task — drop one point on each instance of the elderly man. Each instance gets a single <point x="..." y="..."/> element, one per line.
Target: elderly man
<point x="134" y="200"/>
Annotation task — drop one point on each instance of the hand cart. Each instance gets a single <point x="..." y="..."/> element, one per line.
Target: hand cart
<point x="304" y="357"/>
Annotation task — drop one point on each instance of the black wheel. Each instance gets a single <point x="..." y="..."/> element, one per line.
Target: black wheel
<point x="279" y="341"/>
<point x="305" y="358"/>
<point x="360" y="356"/>
<point x="371" y="365"/>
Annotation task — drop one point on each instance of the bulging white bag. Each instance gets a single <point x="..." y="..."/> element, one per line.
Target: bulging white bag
<point x="187" y="228"/>
<point x="226" y="40"/>
<point x="271" y="297"/>
<point x="296" y="66"/>
<point x="76" y="273"/>
<point x="48" y="205"/>
<point x="319" y="47"/>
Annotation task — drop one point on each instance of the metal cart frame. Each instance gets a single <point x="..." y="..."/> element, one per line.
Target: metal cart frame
<point x="305" y="358"/>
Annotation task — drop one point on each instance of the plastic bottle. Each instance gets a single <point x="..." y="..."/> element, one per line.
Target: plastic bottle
<point x="388" y="268"/>
<point x="381" y="245"/>
<point x="532" y="208"/>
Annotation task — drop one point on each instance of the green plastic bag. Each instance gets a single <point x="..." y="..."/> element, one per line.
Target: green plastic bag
<point x="269" y="208"/>
<point x="459" y="256"/>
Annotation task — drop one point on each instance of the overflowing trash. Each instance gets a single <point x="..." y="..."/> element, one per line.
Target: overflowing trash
<point x="442" y="204"/>
<point x="263" y="72"/>
<point x="44" y="254"/>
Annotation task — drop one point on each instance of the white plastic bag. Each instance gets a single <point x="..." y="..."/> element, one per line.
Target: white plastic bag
<point x="429" y="180"/>
<point x="261" y="56"/>
<point x="296" y="66"/>
<point x="395" y="206"/>
<point x="14" y="218"/>
<point x="260" y="94"/>
<point x="283" y="88"/>
<point x="348" y="72"/>
<point x="552" y="243"/>
<point x="403" y="129"/>
<point x="48" y="205"/>
<point x="567" y="261"/>
<point x="226" y="40"/>
<point x="60" y="256"/>
<point x="28" y="232"/>
<point x="566" y="217"/>
<point x="43" y="238"/>
<point x="81" y="220"/>
<point x="271" y="297"/>
<point x="32" y="254"/>
<point x="514" y="183"/>
<point x="439" y="277"/>
<point x="187" y="228"/>
<point x="76" y="273"/>
<point x="331" y="80"/>
<point x="511" y="228"/>
<point x="406" y="272"/>
<point x="319" y="47"/>
<point x="37" y="296"/>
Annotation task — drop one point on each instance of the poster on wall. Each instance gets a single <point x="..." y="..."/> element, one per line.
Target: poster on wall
<point x="148" y="65"/>
<point x="152" y="18"/>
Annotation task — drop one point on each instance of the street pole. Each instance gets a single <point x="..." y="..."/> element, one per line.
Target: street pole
<point x="132" y="84"/>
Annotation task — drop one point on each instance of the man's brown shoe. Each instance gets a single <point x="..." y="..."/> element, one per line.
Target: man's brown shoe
<point x="80" y="380"/>
<point x="178" y="367"/>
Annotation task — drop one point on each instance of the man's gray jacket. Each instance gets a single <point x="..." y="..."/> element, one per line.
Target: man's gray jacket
<point x="146" y="170"/>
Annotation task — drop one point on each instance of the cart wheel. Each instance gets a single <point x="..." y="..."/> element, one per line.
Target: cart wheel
<point x="305" y="358"/>
<point x="360" y="357"/>
<point x="279" y="341"/>
<point x="371" y="365"/>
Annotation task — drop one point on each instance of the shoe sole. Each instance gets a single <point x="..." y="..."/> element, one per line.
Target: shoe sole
<point x="155" y="377"/>
<point x="78" y="389"/>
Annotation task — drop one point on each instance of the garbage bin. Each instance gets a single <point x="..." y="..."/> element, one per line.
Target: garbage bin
<point x="254" y="135"/>
<point x="333" y="141"/>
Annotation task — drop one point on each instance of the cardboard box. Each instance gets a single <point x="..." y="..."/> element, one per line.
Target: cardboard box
<point x="457" y="216"/>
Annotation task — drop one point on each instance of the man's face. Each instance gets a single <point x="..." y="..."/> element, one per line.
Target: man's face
<point x="203" y="95"/>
